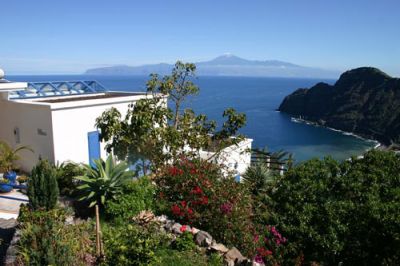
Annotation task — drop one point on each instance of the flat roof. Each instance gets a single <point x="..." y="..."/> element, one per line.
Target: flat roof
<point x="90" y="97"/>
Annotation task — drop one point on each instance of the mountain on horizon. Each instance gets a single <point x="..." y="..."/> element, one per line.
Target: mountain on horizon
<point x="225" y="65"/>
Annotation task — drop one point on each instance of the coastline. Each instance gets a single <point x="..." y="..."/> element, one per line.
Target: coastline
<point x="378" y="145"/>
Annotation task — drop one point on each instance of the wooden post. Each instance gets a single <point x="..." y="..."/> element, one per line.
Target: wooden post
<point x="98" y="241"/>
<point x="268" y="162"/>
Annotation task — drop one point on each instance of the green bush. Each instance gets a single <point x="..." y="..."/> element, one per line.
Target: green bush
<point x="130" y="244"/>
<point x="184" y="242"/>
<point x="42" y="186"/>
<point x="66" y="172"/>
<point x="138" y="195"/>
<point x="342" y="212"/>
<point x="168" y="257"/>
<point x="46" y="240"/>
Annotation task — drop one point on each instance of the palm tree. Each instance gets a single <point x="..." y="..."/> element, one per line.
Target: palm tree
<point x="104" y="181"/>
<point x="8" y="155"/>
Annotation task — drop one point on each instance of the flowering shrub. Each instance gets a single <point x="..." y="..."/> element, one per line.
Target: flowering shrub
<point x="198" y="194"/>
<point x="269" y="246"/>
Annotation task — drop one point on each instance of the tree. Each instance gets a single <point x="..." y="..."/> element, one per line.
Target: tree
<point x="154" y="134"/>
<point x="104" y="181"/>
<point x="42" y="187"/>
<point x="177" y="86"/>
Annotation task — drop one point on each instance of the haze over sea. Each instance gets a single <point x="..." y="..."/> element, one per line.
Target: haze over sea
<point x="258" y="98"/>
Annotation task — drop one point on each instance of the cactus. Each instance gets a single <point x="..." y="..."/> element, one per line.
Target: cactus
<point x="42" y="187"/>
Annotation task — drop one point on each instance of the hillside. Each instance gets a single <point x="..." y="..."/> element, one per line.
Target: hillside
<point x="225" y="65"/>
<point x="365" y="101"/>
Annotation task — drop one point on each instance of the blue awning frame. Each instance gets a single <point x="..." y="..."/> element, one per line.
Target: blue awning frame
<point x="58" y="88"/>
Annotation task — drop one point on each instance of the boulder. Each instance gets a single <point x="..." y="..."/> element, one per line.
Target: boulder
<point x="234" y="257"/>
<point x="220" y="248"/>
<point x="176" y="228"/>
<point x="203" y="239"/>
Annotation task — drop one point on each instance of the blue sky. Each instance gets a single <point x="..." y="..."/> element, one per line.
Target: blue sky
<point x="47" y="37"/>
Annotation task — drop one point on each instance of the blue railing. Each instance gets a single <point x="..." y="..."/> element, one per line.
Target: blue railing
<point x="58" y="88"/>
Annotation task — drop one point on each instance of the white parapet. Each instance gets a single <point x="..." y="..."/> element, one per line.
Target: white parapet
<point x="236" y="158"/>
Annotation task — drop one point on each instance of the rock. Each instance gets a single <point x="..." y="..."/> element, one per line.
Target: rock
<point x="161" y="219"/>
<point x="194" y="230"/>
<point x="69" y="220"/>
<point x="168" y="225"/>
<point x="234" y="257"/>
<point x="176" y="228"/>
<point x="219" y="248"/>
<point x="203" y="239"/>
<point x="144" y="217"/>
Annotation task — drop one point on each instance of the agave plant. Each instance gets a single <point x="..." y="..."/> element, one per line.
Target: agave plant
<point x="103" y="181"/>
<point x="257" y="177"/>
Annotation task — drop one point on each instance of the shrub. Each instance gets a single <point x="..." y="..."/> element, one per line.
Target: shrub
<point x="46" y="240"/>
<point x="168" y="257"/>
<point x="198" y="194"/>
<point x="129" y="244"/>
<point x="66" y="172"/>
<point x="342" y="212"/>
<point x="42" y="186"/>
<point x="138" y="195"/>
<point x="184" y="242"/>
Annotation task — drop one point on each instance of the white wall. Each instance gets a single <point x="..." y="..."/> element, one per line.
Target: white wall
<point x="236" y="158"/>
<point x="35" y="129"/>
<point x="71" y="124"/>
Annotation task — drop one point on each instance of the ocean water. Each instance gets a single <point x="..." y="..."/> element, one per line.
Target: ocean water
<point x="258" y="98"/>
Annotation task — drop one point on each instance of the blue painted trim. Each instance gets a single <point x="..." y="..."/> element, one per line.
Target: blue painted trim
<point x="12" y="198"/>
<point x="93" y="147"/>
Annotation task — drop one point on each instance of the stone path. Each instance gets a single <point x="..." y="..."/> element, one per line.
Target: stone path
<point x="7" y="230"/>
<point x="9" y="210"/>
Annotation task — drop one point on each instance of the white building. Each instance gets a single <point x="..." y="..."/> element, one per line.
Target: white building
<point x="57" y="120"/>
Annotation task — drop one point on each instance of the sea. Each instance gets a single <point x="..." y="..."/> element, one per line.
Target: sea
<point x="258" y="98"/>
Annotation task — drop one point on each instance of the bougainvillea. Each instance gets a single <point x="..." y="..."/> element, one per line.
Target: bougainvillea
<point x="269" y="246"/>
<point x="197" y="193"/>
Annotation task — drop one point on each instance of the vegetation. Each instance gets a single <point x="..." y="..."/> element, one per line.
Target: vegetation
<point x="104" y="181"/>
<point x="130" y="244"/>
<point x="66" y="173"/>
<point x="197" y="193"/>
<point x="9" y="156"/>
<point x="43" y="189"/>
<point x="364" y="100"/>
<point x="341" y="212"/>
<point x="137" y="195"/>
<point x="47" y="240"/>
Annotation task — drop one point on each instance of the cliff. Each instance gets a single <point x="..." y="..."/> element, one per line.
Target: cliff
<point x="365" y="101"/>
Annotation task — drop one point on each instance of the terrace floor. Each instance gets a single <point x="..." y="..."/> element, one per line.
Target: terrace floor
<point x="10" y="203"/>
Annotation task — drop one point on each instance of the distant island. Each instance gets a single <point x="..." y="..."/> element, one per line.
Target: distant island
<point x="225" y="65"/>
<point x="364" y="101"/>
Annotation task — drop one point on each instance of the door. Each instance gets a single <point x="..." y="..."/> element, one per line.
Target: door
<point x="94" y="146"/>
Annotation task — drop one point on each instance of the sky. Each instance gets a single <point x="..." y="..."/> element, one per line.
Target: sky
<point x="70" y="36"/>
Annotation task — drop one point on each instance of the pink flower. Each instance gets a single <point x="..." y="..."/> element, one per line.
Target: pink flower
<point x="258" y="258"/>
<point x="183" y="228"/>
<point x="256" y="238"/>
<point x="226" y="208"/>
